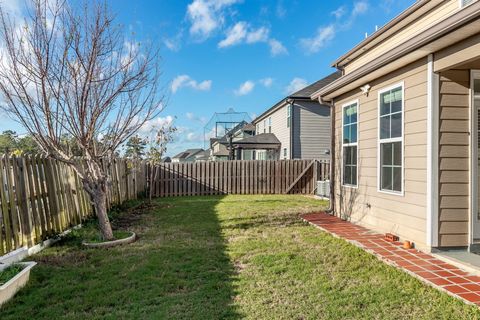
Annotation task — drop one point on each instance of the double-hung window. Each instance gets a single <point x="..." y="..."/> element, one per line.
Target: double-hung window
<point x="350" y="144"/>
<point x="391" y="139"/>
<point x="269" y="124"/>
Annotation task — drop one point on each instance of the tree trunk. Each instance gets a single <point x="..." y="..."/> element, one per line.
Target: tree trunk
<point x="99" y="199"/>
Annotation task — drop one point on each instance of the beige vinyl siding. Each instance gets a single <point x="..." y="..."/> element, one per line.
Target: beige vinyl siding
<point x="442" y="11"/>
<point x="279" y="128"/>
<point x="402" y="215"/>
<point x="454" y="147"/>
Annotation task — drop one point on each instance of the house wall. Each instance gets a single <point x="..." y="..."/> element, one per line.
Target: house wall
<point x="311" y="130"/>
<point x="279" y="128"/>
<point x="441" y="11"/>
<point x="454" y="139"/>
<point x="404" y="215"/>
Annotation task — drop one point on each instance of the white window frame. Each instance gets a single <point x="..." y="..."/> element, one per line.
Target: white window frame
<point x="348" y="104"/>
<point x="269" y="124"/>
<point x="264" y="125"/>
<point x="390" y="140"/>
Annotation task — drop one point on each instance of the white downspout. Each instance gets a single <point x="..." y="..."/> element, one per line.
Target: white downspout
<point x="432" y="154"/>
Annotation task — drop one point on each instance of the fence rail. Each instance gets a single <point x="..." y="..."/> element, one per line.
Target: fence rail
<point x="41" y="197"/>
<point x="238" y="177"/>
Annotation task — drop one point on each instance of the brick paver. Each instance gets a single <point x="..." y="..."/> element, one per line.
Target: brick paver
<point x="425" y="267"/>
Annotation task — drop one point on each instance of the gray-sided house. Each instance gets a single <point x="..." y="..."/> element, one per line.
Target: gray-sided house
<point x="406" y="126"/>
<point x="302" y="126"/>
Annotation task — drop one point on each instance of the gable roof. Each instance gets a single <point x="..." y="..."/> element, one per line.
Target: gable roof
<point x="303" y="93"/>
<point x="187" y="153"/>
<point x="263" y="138"/>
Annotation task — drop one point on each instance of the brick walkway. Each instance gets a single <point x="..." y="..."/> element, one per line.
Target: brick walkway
<point x="425" y="267"/>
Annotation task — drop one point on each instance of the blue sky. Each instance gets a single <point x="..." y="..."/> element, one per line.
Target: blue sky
<point x="245" y="55"/>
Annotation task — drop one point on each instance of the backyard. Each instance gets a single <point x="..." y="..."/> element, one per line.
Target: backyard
<point x="223" y="257"/>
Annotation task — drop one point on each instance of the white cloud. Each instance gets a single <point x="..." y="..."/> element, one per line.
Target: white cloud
<point x="259" y="35"/>
<point x="245" y="88"/>
<point x="266" y="82"/>
<point x="359" y="7"/>
<point x="242" y="32"/>
<point x="340" y="12"/>
<point x="295" y="85"/>
<point x="235" y="35"/>
<point x="206" y="16"/>
<point x="186" y="81"/>
<point x="323" y="36"/>
<point x="276" y="47"/>
<point x="156" y="123"/>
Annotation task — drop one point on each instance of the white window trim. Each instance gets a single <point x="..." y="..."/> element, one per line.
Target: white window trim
<point x="357" y="102"/>
<point x="399" y="139"/>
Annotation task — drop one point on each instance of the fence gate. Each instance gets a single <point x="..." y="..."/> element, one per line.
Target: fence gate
<point x="238" y="177"/>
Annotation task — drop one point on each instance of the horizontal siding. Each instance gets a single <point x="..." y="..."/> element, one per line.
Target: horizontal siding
<point x="454" y="158"/>
<point x="402" y="215"/>
<point x="311" y="130"/>
<point x="279" y="128"/>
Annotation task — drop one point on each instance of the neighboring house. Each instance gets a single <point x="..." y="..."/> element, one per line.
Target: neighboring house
<point x="264" y="146"/>
<point x="406" y="126"/>
<point x="301" y="125"/>
<point x="220" y="146"/>
<point x="187" y="155"/>
<point x="203" y="156"/>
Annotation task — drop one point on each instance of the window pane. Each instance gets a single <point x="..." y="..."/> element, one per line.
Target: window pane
<point x="354" y="155"/>
<point x="396" y="125"/>
<point x="386" y="153"/>
<point x="386" y="178"/>
<point x="353" y="113"/>
<point x="346" y="118"/>
<point x="384" y="103"/>
<point x="397" y="153"/>
<point x="354" y="176"/>
<point x="353" y="133"/>
<point x="385" y="127"/>
<point x="346" y="134"/>
<point x="347" y="175"/>
<point x="347" y="155"/>
<point x="397" y="179"/>
<point x="396" y="97"/>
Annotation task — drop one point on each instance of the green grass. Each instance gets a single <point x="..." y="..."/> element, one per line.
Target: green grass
<point x="9" y="272"/>
<point x="232" y="257"/>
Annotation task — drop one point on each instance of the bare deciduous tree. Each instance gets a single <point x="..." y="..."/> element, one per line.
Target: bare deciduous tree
<point x="71" y="72"/>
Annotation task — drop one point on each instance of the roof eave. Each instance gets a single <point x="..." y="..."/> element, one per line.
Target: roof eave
<point x="340" y="62"/>
<point x="450" y="24"/>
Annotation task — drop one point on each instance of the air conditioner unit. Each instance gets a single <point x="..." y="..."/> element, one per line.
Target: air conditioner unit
<point x="323" y="189"/>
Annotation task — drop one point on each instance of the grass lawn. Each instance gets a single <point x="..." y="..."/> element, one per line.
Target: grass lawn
<point x="230" y="257"/>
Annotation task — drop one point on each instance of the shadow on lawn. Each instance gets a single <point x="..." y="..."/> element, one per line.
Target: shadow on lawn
<point x="178" y="269"/>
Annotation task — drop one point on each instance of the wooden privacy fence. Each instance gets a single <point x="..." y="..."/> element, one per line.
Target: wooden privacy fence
<point x="238" y="177"/>
<point x="42" y="197"/>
